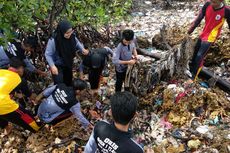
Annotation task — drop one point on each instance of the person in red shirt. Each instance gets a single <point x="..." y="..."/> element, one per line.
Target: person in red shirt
<point x="215" y="13"/>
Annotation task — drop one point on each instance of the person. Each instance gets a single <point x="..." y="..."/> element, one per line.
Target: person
<point x="60" y="102"/>
<point x="60" y="52"/>
<point x="124" y="55"/>
<point x="96" y="61"/>
<point x="215" y="13"/>
<point x="10" y="111"/>
<point x="116" y="137"/>
<point x="19" y="50"/>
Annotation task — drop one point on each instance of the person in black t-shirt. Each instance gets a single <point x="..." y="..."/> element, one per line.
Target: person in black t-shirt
<point x="59" y="102"/>
<point x="116" y="137"/>
<point x="95" y="61"/>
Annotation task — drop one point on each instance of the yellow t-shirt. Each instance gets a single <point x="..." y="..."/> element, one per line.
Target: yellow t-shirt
<point x="8" y="82"/>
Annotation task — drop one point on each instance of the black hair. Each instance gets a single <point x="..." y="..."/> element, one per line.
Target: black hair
<point x="79" y="84"/>
<point x="16" y="63"/>
<point x="123" y="106"/>
<point x="128" y="35"/>
<point x="31" y="41"/>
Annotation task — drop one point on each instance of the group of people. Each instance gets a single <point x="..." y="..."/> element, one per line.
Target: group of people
<point x="62" y="99"/>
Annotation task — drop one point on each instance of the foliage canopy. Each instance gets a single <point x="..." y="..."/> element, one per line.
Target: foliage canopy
<point x="28" y="15"/>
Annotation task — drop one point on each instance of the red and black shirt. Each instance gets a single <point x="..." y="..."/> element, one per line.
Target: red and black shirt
<point x="214" y="21"/>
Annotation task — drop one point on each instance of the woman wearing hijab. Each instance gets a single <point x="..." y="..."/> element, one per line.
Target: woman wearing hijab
<point x="60" y="52"/>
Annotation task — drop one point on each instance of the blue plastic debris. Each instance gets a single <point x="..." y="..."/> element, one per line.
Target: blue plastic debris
<point x="150" y="49"/>
<point x="98" y="105"/>
<point x="158" y="102"/>
<point x="137" y="14"/>
<point x="204" y="84"/>
<point x="199" y="111"/>
<point x="216" y="121"/>
<point x="178" y="134"/>
<point x="139" y="33"/>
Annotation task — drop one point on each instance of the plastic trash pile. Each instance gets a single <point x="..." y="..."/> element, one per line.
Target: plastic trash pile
<point x="183" y="116"/>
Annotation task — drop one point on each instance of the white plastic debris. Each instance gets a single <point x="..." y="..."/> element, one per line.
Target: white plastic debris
<point x="171" y="86"/>
<point x="57" y="141"/>
<point x="202" y="129"/>
<point x="148" y="2"/>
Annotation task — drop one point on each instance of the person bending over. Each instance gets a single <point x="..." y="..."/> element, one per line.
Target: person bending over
<point x="19" y="50"/>
<point x="60" y="102"/>
<point x="10" y="111"/>
<point x="95" y="61"/>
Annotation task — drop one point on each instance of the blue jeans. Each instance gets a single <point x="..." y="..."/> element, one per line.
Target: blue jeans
<point x="201" y="50"/>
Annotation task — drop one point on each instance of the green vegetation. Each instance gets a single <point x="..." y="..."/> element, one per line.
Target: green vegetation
<point x="28" y="15"/>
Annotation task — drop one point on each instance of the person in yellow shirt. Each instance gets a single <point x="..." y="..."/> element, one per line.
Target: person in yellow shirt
<point x="10" y="111"/>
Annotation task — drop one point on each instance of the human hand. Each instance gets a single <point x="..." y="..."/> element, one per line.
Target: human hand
<point x="32" y="98"/>
<point x="149" y="150"/>
<point x="89" y="128"/>
<point x="134" y="57"/>
<point x="54" y="70"/>
<point x="132" y="62"/>
<point x="85" y="52"/>
<point x="38" y="99"/>
<point x="18" y="95"/>
<point x="82" y="77"/>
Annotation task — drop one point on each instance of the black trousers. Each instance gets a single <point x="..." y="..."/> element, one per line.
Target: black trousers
<point x="201" y="50"/>
<point x="20" y="117"/>
<point x="94" y="78"/>
<point x="120" y="78"/>
<point x="65" y="75"/>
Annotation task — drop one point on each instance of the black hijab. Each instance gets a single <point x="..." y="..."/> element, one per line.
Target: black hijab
<point x="66" y="47"/>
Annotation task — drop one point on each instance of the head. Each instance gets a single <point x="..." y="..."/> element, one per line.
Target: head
<point x="17" y="65"/>
<point x="127" y="37"/>
<point x="216" y="3"/>
<point x="96" y="60"/>
<point x="29" y="44"/>
<point x="65" y="28"/>
<point x="79" y="86"/>
<point x="123" y="107"/>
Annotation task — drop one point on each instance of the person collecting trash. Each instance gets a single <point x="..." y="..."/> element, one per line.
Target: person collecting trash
<point x="61" y="101"/>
